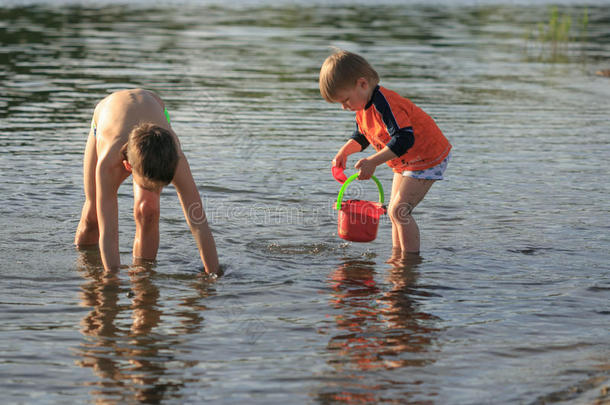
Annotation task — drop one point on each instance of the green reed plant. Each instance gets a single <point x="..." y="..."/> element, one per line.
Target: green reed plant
<point x="584" y="23"/>
<point x="556" y="34"/>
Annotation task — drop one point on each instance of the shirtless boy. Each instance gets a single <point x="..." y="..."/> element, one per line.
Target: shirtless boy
<point x="131" y="134"/>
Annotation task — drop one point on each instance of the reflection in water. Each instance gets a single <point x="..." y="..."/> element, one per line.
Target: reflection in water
<point x="133" y="360"/>
<point x="381" y="329"/>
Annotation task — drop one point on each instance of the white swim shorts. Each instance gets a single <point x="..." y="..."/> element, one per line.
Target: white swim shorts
<point x="433" y="173"/>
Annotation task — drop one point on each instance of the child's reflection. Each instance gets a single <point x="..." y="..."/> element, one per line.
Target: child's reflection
<point x="144" y="297"/>
<point x="127" y="353"/>
<point x="409" y="330"/>
<point x="382" y="330"/>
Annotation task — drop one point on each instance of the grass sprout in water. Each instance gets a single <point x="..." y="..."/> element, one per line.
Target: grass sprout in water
<point x="553" y="38"/>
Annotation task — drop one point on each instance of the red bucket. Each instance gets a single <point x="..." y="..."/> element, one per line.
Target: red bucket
<point x="358" y="220"/>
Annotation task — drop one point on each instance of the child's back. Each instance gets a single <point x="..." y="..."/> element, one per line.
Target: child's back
<point x="117" y="114"/>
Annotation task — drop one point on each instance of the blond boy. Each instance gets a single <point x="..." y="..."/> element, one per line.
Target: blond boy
<point x="403" y="135"/>
<point x="131" y="134"/>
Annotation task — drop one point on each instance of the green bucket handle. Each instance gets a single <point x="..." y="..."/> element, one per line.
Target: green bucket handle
<point x="349" y="180"/>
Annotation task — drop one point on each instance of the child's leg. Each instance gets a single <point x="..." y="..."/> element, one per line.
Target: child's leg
<point x="146" y="212"/>
<point x="409" y="193"/>
<point x="396" y="249"/>
<point x="87" y="232"/>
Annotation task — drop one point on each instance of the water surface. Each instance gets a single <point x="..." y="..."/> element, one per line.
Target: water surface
<point x="508" y="302"/>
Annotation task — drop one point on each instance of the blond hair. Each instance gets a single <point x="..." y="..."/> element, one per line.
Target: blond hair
<point x="341" y="70"/>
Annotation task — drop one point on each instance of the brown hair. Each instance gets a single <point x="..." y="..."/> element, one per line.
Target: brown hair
<point x="341" y="70"/>
<point x="153" y="154"/>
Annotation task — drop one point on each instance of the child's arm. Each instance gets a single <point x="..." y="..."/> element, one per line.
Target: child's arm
<point x="350" y="147"/>
<point x="195" y="216"/>
<point x="108" y="177"/>
<point x="401" y="140"/>
<point x="368" y="165"/>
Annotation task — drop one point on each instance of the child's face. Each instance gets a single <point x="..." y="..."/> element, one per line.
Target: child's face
<point x="354" y="98"/>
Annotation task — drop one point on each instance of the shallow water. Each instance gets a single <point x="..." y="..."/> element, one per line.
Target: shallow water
<point x="507" y="304"/>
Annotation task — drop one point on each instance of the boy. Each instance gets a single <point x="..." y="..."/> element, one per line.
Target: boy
<point x="403" y="135"/>
<point x="130" y="134"/>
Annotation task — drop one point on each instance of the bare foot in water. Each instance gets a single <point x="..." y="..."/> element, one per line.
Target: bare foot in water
<point x="395" y="256"/>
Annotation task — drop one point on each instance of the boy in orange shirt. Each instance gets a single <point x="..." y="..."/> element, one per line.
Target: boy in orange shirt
<point x="404" y="136"/>
<point x="130" y="134"/>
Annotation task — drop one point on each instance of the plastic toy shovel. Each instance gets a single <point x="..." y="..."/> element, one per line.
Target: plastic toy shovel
<point x="338" y="174"/>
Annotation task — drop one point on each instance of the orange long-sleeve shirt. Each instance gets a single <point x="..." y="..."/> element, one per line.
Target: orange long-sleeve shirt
<point x="389" y="115"/>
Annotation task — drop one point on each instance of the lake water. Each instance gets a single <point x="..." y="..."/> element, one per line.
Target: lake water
<point x="508" y="303"/>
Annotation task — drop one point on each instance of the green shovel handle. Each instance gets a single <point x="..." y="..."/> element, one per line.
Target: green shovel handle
<point x="352" y="178"/>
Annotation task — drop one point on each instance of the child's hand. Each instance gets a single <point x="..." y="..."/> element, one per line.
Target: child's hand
<point x="340" y="160"/>
<point x="367" y="168"/>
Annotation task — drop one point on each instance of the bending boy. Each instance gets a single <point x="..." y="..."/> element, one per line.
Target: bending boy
<point x="130" y="134"/>
<point x="403" y="135"/>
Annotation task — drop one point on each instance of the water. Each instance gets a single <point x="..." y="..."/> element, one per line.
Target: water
<point x="508" y="303"/>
